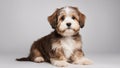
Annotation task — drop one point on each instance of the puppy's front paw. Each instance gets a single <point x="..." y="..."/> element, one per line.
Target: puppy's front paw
<point x="59" y="63"/>
<point x="85" y="61"/>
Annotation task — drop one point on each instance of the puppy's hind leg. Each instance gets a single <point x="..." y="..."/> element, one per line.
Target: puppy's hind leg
<point x="36" y="56"/>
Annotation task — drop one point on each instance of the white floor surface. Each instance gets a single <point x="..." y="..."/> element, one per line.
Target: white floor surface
<point x="100" y="61"/>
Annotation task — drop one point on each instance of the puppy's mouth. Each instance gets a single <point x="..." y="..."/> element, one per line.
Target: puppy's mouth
<point x="73" y="29"/>
<point x="69" y="29"/>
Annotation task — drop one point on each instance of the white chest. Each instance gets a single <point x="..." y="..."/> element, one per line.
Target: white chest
<point x="68" y="46"/>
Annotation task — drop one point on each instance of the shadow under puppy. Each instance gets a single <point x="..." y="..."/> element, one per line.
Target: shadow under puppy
<point x="63" y="45"/>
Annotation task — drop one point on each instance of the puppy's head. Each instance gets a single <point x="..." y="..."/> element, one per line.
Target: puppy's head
<point x="67" y="21"/>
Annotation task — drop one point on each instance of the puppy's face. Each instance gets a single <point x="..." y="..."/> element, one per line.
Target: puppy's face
<point x="67" y="21"/>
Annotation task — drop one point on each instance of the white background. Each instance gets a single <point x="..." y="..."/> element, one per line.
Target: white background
<point x="24" y="21"/>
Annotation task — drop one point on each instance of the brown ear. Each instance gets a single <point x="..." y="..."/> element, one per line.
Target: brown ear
<point x="81" y="19"/>
<point x="53" y="19"/>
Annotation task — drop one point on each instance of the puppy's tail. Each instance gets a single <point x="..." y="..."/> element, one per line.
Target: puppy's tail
<point x="23" y="59"/>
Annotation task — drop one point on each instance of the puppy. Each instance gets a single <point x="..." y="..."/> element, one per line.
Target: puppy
<point x="63" y="45"/>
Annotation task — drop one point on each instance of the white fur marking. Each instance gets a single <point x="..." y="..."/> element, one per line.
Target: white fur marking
<point x="67" y="10"/>
<point x="39" y="59"/>
<point x="68" y="46"/>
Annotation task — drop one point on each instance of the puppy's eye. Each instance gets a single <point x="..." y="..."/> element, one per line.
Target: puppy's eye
<point x="73" y="17"/>
<point x="62" y="18"/>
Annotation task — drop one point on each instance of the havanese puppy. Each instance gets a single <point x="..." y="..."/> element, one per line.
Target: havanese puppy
<point x="63" y="45"/>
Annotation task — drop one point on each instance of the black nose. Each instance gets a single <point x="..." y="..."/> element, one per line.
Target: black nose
<point x="68" y="24"/>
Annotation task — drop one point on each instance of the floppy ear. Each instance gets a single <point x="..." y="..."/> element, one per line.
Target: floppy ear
<point x="53" y="19"/>
<point x="81" y="19"/>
